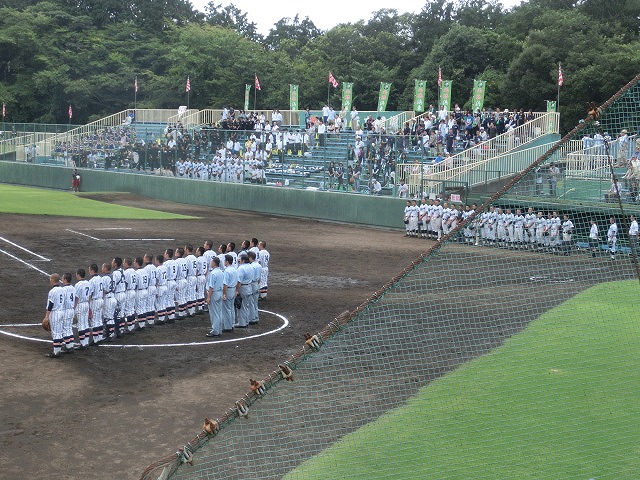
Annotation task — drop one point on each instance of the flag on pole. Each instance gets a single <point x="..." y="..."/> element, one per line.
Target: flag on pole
<point x="256" y="82"/>
<point x="439" y="76"/>
<point x="383" y="96"/>
<point x="135" y="85"/>
<point x="247" y="89"/>
<point x="333" y="81"/>
<point x="477" y="96"/>
<point x="187" y="88"/>
<point x="560" y="77"/>
<point x="445" y="94"/>
<point x="70" y="112"/>
<point x="418" y="96"/>
<point x="347" y="96"/>
<point x="293" y="97"/>
<point x="4" y="110"/>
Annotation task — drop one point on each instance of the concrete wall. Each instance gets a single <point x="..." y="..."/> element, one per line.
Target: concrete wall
<point x="340" y="207"/>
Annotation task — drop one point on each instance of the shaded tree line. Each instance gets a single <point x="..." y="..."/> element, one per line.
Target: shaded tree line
<point x="87" y="53"/>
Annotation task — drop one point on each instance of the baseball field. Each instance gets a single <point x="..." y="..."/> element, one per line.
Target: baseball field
<point x="118" y="407"/>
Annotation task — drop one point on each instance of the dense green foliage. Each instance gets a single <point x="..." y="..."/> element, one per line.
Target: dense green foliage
<point x="87" y="53"/>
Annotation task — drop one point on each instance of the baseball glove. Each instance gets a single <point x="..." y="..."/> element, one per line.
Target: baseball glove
<point x="46" y="324"/>
<point x="238" y="302"/>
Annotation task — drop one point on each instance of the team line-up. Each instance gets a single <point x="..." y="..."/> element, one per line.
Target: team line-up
<point x="503" y="227"/>
<point x="131" y="294"/>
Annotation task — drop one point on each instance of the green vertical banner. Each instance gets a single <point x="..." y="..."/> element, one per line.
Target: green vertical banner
<point x="418" y="96"/>
<point x="247" y="89"/>
<point x="383" y="97"/>
<point x="347" y="96"/>
<point x="445" y="94"/>
<point x="293" y="97"/>
<point x="477" y="97"/>
<point x="551" y="105"/>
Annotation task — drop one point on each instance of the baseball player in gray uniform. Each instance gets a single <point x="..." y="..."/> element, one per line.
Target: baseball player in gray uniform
<point x="245" y="290"/>
<point x="215" y="284"/>
<point x="69" y="293"/>
<point x="54" y="314"/>
<point x="82" y="296"/>
<point x="96" y="304"/>
<point x="229" y="294"/>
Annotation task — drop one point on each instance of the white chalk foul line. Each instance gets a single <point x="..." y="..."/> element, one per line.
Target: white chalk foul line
<point x="24" y="262"/>
<point x="109" y="228"/>
<point x="285" y="324"/>
<point x="140" y="239"/>
<point x="25" y="249"/>
<point x="83" y="234"/>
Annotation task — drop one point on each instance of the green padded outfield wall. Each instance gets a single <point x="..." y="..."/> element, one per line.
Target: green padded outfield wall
<point x="339" y="207"/>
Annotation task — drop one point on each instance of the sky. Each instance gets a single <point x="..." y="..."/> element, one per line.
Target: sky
<point x="324" y="15"/>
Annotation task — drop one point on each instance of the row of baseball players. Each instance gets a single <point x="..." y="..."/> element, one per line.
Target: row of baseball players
<point x="123" y="296"/>
<point x="503" y="227"/>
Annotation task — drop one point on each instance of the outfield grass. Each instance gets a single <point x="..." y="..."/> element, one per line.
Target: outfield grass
<point x="557" y="401"/>
<point x="35" y="201"/>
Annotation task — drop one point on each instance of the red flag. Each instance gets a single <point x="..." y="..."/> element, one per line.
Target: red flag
<point x="332" y="80"/>
<point x="439" y="77"/>
<point x="135" y="85"/>
<point x="256" y="82"/>
<point x="70" y="112"/>
<point x="560" y="77"/>
<point x="4" y="110"/>
<point x="188" y="87"/>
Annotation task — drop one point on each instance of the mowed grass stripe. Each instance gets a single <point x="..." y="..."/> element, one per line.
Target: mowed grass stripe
<point x="559" y="400"/>
<point x="36" y="201"/>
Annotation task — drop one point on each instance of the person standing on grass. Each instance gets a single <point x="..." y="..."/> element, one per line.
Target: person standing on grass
<point x="633" y="234"/>
<point x="612" y="237"/>
<point x="593" y="238"/>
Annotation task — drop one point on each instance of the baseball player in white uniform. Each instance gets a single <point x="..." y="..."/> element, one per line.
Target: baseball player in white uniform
<point x="110" y="303"/>
<point x="54" y="314"/>
<point x="152" y="290"/>
<point x="567" y="231"/>
<point x="69" y="293"/>
<point x="530" y="226"/>
<point x="82" y="296"/>
<point x="407" y="212"/>
<point x="192" y="282"/>
<point x="612" y="237"/>
<point x="518" y="229"/>
<point x="181" y="283"/>
<point x="96" y="304"/>
<point x="202" y="263"/>
<point x="162" y="290"/>
<point x="554" y="230"/>
<point x="264" y="258"/>
<point x="255" y="285"/>
<point x="414" y="212"/>
<point x="423" y="219"/>
<point x="142" y="292"/>
<point x="593" y="238"/>
<point x="541" y="228"/>
<point x="436" y="220"/>
<point x="130" y="279"/>
<point x="172" y="271"/>
<point x="119" y="289"/>
<point x="633" y="234"/>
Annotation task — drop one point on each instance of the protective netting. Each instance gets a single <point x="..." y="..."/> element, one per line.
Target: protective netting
<point x="472" y="362"/>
